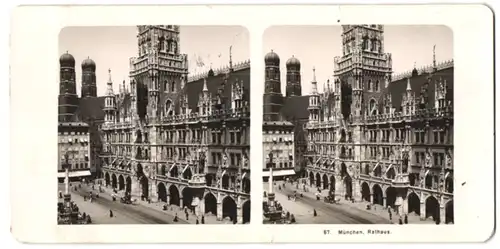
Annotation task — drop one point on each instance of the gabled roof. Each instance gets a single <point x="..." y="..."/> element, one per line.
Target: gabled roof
<point x="194" y="88"/>
<point x="295" y="108"/>
<point x="91" y="108"/>
<point x="398" y="88"/>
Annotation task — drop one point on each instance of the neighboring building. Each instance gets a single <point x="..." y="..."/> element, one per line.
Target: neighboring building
<point x="282" y="128"/>
<point x="370" y="135"/>
<point x="382" y="138"/>
<point x="177" y="140"/>
<point x="86" y="109"/>
<point x="73" y="150"/>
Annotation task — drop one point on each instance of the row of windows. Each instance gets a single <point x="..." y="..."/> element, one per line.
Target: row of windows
<point x="234" y="159"/>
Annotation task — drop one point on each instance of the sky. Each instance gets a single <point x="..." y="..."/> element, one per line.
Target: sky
<point x="111" y="48"/>
<point x="316" y="46"/>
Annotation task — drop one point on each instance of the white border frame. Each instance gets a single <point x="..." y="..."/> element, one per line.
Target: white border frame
<point x="34" y="84"/>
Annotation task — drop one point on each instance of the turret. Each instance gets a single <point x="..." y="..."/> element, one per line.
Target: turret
<point x="68" y="99"/>
<point x="273" y="99"/>
<point x="109" y="102"/>
<point x="89" y="85"/>
<point x="293" y="87"/>
<point x="408" y="104"/>
<point x="204" y="102"/>
<point x="314" y="107"/>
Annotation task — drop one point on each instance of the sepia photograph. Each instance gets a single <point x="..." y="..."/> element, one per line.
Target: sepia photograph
<point x="358" y="125"/>
<point x="154" y="125"/>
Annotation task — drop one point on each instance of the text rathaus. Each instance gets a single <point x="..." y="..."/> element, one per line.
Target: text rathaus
<point x="183" y="141"/>
<point x="383" y="138"/>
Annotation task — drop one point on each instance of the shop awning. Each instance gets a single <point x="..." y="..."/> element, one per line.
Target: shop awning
<point x="285" y="172"/>
<point x="74" y="173"/>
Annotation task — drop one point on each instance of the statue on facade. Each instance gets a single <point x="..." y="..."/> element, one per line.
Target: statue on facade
<point x="448" y="161"/>
<point x="224" y="158"/>
<point x="428" y="159"/>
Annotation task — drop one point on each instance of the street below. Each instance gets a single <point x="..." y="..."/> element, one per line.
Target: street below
<point x="99" y="209"/>
<point x="303" y="209"/>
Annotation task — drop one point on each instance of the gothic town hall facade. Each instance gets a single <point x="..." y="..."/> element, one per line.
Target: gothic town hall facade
<point x="177" y="139"/>
<point x="375" y="136"/>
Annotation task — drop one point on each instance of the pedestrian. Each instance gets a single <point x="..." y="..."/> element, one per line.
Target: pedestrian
<point x="203" y="219"/>
<point x="265" y="194"/>
<point x="187" y="216"/>
<point x="287" y="215"/>
<point x="164" y="207"/>
<point x="84" y="198"/>
<point x="110" y="213"/>
<point x="149" y="201"/>
<point x="292" y="218"/>
<point x="315" y="213"/>
<point x="400" y="221"/>
<point x="390" y="216"/>
<point x="197" y="222"/>
<point x="176" y="219"/>
<point x="60" y="195"/>
<point x="406" y="219"/>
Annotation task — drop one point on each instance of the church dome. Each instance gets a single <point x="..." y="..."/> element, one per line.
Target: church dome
<point x="272" y="58"/>
<point x="88" y="64"/>
<point x="293" y="62"/>
<point x="67" y="60"/>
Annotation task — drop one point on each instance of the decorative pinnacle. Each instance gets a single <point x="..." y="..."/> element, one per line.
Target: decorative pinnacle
<point x="314" y="74"/>
<point x="109" y="73"/>
<point x="408" y="85"/>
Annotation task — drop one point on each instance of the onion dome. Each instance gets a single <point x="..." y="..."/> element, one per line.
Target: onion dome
<point x="88" y="64"/>
<point x="67" y="60"/>
<point x="272" y="58"/>
<point x="293" y="62"/>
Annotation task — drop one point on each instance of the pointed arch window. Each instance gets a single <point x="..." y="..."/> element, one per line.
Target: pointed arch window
<point x="373" y="107"/>
<point x="168" y="108"/>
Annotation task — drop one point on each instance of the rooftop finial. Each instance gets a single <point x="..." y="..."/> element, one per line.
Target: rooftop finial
<point x="109" y="73"/>
<point x="414" y="64"/>
<point x="434" y="56"/>
<point x="314" y="74"/>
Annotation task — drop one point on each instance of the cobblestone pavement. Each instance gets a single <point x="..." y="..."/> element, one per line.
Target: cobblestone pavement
<point x="327" y="213"/>
<point x="122" y="213"/>
<point x="171" y="209"/>
<point x="378" y="213"/>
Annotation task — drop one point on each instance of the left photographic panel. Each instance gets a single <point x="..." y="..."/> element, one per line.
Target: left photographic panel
<point x="154" y="125"/>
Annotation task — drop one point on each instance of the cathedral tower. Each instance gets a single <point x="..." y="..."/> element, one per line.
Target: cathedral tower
<point x="273" y="99"/>
<point x="89" y="85"/>
<point x="159" y="72"/>
<point x="68" y="99"/>
<point x="293" y="87"/>
<point x="363" y="71"/>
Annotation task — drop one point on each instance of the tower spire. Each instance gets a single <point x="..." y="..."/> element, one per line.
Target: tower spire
<point x="314" y="83"/>
<point x="231" y="57"/>
<point x="205" y="88"/>
<point x="434" y="57"/>
<point x="408" y="85"/>
<point x="109" y="90"/>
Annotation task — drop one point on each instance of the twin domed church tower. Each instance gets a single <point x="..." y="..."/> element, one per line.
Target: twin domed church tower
<point x="68" y="99"/>
<point x="273" y="98"/>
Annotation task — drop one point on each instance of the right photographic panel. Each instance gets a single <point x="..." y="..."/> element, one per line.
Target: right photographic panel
<point x="358" y="125"/>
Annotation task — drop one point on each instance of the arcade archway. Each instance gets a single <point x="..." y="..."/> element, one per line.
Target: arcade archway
<point x="391" y="173"/>
<point x="225" y="181"/>
<point x="390" y="194"/>
<point x="246" y="212"/>
<point x="377" y="171"/>
<point x="229" y="208"/>
<point x="432" y="208"/>
<point x="113" y="181"/>
<point x="187" y="174"/>
<point x="121" y="183"/>
<point x="347" y="181"/>
<point x="162" y="192"/>
<point x="449" y="212"/>
<point x="332" y="183"/>
<point x="246" y="184"/>
<point x="128" y="184"/>
<point x="173" y="192"/>
<point x="210" y="204"/>
<point x="365" y="191"/>
<point x="449" y="184"/>
<point x="318" y="180"/>
<point x="367" y="169"/>
<point x="325" y="181"/>
<point x="187" y="197"/>
<point x="413" y="203"/>
<point x="174" y="171"/>
<point x="428" y="181"/>
<point x="378" y="195"/>
<point x="209" y="179"/>
<point x="163" y="170"/>
<point x="311" y="178"/>
<point x="107" y="179"/>
<point x="144" y="186"/>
